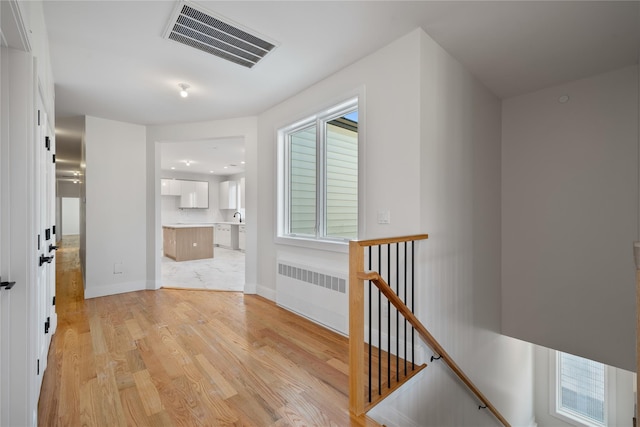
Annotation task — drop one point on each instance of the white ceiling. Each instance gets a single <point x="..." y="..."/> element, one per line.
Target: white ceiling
<point x="110" y="59"/>
<point x="211" y="157"/>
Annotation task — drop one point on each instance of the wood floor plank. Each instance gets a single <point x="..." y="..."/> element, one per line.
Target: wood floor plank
<point x="182" y="358"/>
<point x="68" y="412"/>
<point x="134" y="329"/>
<point x="87" y="402"/>
<point x="110" y="407"/>
<point x="147" y="392"/>
<point x="133" y="408"/>
<point x="225" y="389"/>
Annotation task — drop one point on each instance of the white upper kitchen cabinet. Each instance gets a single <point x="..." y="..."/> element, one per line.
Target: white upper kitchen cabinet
<point x="228" y="195"/>
<point x="194" y="194"/>
<point x="170" y="187"/>
<point x="202" y="194"/>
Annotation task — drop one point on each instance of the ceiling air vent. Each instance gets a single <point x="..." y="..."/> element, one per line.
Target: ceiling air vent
<point x="216" y="35"/>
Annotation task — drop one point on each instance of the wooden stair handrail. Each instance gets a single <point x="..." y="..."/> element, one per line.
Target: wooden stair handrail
<point x="375" y="278"/>
<point x="389" y="240"/>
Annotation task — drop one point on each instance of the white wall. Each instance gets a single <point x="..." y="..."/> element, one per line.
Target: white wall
<point x="116" y="223"/>
<point x="570" y="216"/>
<point x="439" y="173"/>
<point x="70" y="216"/>
<point x="241" y="127"/>
<point x="389" y="169"/>
<point x="459" y="297"/>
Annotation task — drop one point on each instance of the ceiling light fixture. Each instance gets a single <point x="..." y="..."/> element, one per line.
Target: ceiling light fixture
<point x="183" y="89"/>
<point x="188" y="162"/>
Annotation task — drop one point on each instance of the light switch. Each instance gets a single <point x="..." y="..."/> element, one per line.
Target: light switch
<point x="384" y="217"/>
<point x="117" y="268"/>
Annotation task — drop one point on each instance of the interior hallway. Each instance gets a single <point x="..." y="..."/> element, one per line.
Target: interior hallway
<point x="192" y="358"/>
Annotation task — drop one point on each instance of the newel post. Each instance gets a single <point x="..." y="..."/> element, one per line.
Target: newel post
<point x="356" y="329"/>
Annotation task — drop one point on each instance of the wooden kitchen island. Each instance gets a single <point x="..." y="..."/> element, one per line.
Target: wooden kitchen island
<point x="185" y="242"/>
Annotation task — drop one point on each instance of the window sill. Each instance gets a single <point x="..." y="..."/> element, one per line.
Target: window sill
<point x="575" y="420"/>
<point x="321" y="245"/>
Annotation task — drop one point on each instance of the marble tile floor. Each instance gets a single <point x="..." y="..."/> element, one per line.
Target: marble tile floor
<point x="223" y="272"/>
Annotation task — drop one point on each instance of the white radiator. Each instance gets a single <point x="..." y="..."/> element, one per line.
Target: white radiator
<point x="314" y="291"/>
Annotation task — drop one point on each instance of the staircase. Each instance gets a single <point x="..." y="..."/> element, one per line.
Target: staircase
<point x="383" y="329"/>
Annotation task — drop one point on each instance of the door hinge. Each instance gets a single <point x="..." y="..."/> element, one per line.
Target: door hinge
<point x="47" y="234"/>
<point x="53" y="228"/>
<point x="54" y="300"/>
<point x="38" y="117"/>
<point x="47" y="143"/>
<point x="46" y="325"/>
<point x="38" y="242"/>
<point x="54" y="158"/>
<point x="38" y="367"/>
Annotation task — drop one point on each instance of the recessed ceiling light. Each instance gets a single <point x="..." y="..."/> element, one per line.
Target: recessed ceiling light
<point x="210" y="171"/>
<point x="173" y="168"/>
<point x="188" y="162"/>
<point x="563" y="99"/>
<point x="242" y="163"/>
<point x="226" y="167"/>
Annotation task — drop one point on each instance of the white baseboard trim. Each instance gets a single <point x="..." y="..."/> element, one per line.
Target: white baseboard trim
<point x="532" y="422"/>
<point x="116" y="288"/>
<point x="153" y="285"/>
<point x="265" y="292"/>
<point x="250" y="288"/>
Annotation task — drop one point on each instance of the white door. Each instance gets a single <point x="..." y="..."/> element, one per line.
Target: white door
<point x="42" y="250"/>
<point x="19" y="316"/>
<point x="4" y="300"/>
<point x="51" y="226"/>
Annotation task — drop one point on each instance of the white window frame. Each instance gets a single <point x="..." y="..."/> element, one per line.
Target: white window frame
<point x="557" y="411"/>
<point x="319" y="241"/>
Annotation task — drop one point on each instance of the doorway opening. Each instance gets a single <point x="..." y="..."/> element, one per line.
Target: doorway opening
<point x="202" y="214"/>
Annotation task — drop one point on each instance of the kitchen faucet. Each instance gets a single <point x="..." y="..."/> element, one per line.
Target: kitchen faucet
<point x="239" y="214"/>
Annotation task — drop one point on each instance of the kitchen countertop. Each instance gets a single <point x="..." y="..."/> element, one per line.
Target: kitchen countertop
<point x="201" y="224"/>
<point x="196" y="225"/>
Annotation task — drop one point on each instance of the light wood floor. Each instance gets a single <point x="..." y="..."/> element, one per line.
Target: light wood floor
<point x="188" y="358"/>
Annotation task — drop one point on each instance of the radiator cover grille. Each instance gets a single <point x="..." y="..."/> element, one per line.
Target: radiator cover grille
<point x="217" y="36"/>
<point x="314" y="291"/>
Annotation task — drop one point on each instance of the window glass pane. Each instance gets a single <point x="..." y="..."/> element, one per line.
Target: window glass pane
<point x="342" y="177"/>
<point x="302" y="182"/>
<point x="582" y="387"/>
